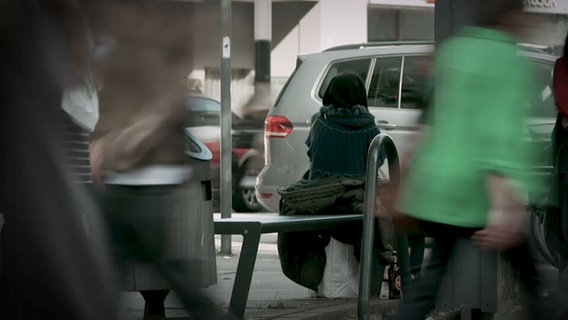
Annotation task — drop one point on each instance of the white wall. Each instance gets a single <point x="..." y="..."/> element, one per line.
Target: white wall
<point x="345" y="22"/>
<point x="329" y="23"/>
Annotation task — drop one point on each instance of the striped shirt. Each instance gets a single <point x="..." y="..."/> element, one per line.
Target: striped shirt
<point x="76" y="148"/>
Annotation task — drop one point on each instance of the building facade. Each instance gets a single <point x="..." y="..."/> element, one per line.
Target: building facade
<point x="298" y="27"/>
<point x="306" y="26"/>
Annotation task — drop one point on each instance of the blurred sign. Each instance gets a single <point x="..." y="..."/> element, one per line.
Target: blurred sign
<point x="547" y="6"/>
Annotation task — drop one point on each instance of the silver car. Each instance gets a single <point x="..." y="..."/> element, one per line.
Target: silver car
<point x="394" y="75"/>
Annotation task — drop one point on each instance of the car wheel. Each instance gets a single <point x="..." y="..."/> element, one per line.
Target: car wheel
<point x="244" y="197"/>
<point x="245" y="201"/>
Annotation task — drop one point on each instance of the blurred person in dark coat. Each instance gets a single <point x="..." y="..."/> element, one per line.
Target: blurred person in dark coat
<point x="138" y="145"/>
<point x="52" y="267"/>
<point x="557" y="213"/>
<point x="467" y="178"/>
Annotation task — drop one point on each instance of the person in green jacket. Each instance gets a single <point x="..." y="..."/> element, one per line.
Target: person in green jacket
<point x="466" y="179"/>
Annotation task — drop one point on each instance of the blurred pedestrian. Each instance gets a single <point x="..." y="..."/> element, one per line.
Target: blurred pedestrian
<point x="557" y="213"/>
<point x="560" y="92"/>
<point x="424" y="94"/>
<point x="138" y="145"/>
<point x="51" y="267"/>
<point x="467" y="176"/>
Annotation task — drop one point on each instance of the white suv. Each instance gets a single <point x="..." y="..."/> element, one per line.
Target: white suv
<point x="395" y="81"/>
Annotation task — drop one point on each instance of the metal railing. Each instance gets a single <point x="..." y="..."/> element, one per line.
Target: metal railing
<point x="379" y="142"/>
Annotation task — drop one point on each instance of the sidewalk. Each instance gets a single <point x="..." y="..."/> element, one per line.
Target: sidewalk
<point x="272" y="295"/>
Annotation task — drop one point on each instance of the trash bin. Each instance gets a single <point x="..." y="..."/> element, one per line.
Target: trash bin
<point x="470" y="282"/>
<point x="190" y="226"/>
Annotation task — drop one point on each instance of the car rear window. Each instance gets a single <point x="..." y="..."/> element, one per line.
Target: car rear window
<point x="357" y="66"/>
<point x="298" y="64"/>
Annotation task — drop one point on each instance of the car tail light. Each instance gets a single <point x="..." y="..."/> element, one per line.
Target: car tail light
<point x="277" y="127"/>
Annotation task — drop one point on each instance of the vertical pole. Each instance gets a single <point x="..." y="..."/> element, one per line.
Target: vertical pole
<point x="226" y="144"/>
<point x="261" y="100"/>
<point x="363" y="310"/>
<point x="262" y="39"/>
<point x="380" y="141"/>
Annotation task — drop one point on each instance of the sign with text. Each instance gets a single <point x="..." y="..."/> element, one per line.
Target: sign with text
<point x="547" y="6"/>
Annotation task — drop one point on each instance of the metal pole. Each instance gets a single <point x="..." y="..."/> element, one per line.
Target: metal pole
<point x="380" y="141"/>
<point x="226" y="144"/>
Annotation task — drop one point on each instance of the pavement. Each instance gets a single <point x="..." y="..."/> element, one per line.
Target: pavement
<point x="273" y="296"/>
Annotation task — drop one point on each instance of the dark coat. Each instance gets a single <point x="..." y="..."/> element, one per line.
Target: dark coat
<point x="339" y="140"/>
<point x="556" y="222"/>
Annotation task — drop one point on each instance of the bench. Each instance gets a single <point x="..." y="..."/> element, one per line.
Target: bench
<point x="251" y="228"/>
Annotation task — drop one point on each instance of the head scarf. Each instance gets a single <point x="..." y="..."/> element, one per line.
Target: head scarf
<point x="345" y="91"/>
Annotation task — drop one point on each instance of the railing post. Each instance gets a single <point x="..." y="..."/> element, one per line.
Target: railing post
<point x="380" y="141"/>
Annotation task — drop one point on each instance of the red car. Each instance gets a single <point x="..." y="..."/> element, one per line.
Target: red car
<point x="246" y="159"/>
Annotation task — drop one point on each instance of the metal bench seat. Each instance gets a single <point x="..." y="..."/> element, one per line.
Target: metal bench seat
<point x="251" y="227"/>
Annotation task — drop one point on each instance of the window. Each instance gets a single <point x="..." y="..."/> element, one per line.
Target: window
<point x="359" y="67"/>
<point x="385" y="24"/>
<point x="415" y="75"/>
<point x="381" y="24"/>
<point x="385" y="81"/>
<point x="542" y="105"/>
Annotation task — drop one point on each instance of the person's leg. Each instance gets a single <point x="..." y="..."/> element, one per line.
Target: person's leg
<point x="420" y="298"/>
<point x="183" y="276"/>
<point x="416" y="244"/>
<point x="154" y="304"/>
<point x="149" y="205"/>
<point x="137" y="236"/>
<point x="563" y="288"/>
<point x="521" y="259"/>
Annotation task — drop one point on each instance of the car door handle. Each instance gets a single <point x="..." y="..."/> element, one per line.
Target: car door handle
<point x="383" y="124"/>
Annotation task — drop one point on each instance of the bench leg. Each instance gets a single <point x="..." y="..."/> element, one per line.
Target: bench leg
<point x="243" y="278"/>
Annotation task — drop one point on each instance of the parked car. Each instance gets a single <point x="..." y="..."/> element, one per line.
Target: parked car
<point x="394" y="78"/>
<point x="205" y="125"/>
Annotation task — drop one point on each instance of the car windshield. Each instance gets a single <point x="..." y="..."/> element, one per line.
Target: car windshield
<point x="205" y="112"/>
